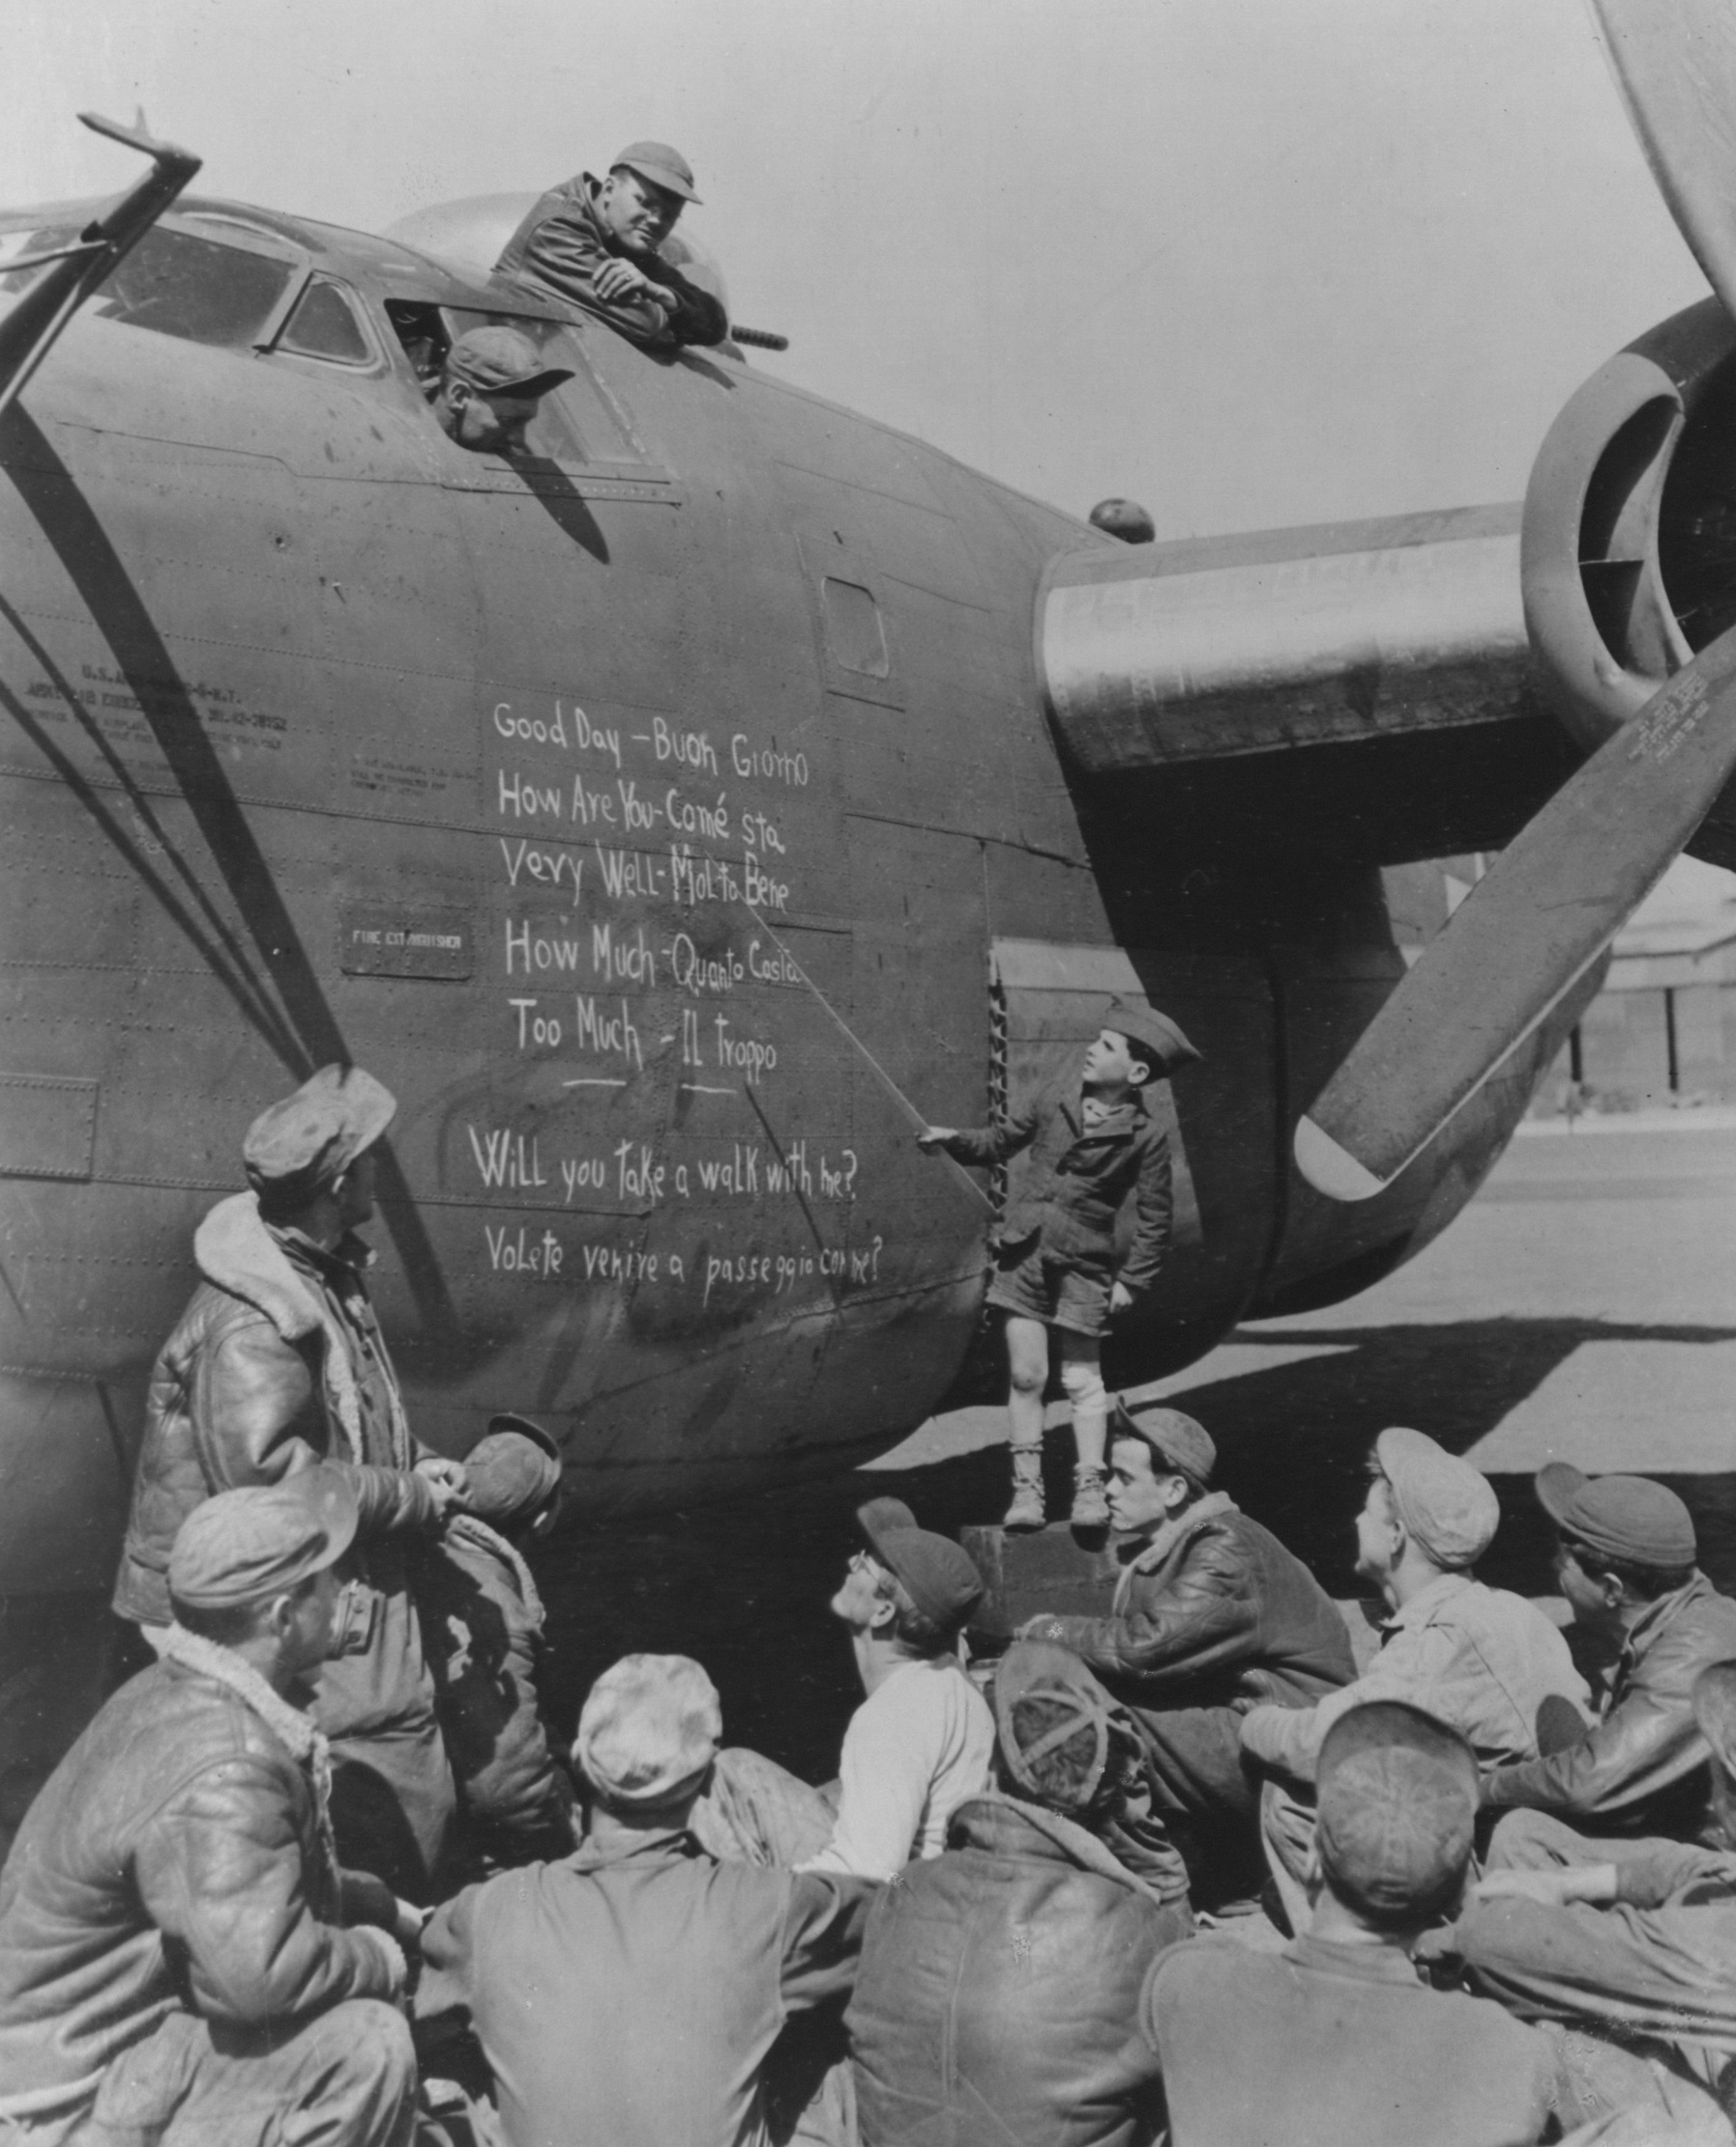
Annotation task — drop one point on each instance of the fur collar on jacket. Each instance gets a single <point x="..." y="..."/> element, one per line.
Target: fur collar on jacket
<point x="237" y="1252"/>
<point x="1076" y="1842"/>
<point x="307" y="1744"/>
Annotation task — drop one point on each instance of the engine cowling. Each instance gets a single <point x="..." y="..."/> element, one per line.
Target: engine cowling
<point x="1628" y="553"/>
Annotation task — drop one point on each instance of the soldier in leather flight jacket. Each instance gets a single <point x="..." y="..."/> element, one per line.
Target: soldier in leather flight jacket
<point x="278" y="1363"/>
<point x="1211" y="1616"/>
<point x="1056" y="1267"/>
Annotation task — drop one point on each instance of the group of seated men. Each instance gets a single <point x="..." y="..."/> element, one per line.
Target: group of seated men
<point x="323" y="1850"/>
<point x="992" y="1915"/>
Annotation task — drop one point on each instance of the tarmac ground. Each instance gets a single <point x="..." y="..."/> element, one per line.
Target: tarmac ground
<point x="1582" y="1309"/>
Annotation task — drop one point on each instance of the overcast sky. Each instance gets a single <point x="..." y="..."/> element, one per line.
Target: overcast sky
<point x="1253" y="262"/>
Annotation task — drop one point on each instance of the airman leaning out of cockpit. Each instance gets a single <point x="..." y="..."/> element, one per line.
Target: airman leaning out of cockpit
<point x="596" y="243"/>
<point x="489" y="387"/>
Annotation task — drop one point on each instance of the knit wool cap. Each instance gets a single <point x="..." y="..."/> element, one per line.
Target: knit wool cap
<point x="1156" y="1031"/>
<point x="1397" y="1808"/>
<point x="1625" y="1517"/>
<point x="1447" y="1505"/>
<point x="242" y="1546"/>
<point x="649" y="1729"/>
<point x="1052" y="1723"/>
<point x="936" y="1573"/>
<point x="1176" y="1441"/>
<point x="299" y="1145"/>
<point x="515" y="1469"/>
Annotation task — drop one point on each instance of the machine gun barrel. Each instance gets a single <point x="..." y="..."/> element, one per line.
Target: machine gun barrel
<point x="761" y="338"/>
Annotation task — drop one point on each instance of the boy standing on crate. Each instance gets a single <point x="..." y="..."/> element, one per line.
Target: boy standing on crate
<point x="1092" y="1144"/>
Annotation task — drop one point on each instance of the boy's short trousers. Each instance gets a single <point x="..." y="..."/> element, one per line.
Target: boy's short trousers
<point x="1035" y="1288"/>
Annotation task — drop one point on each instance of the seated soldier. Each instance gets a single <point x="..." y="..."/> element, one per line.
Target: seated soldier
<point x="1211" y="1612"/>
<point x="1631" y="1938"/>
<point x="490" y="384"/>
<point x="173" y="1964"/>
<point x="1486" y="1662"/>
<point x="919" y="1746"/>
<point x="483" y="1629"/>
<point x="1625" y="1553"/>
<point x="597" y="243"/>
<point x="1335" y="2042"/>
<point x="632" y="1992"/>
<point x="999" y="1980"/>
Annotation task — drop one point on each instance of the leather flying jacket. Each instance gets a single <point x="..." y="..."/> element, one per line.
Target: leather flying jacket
<point x="1212" y="1612"/>
<point x="255" y="1381"/>
<point x="557" y="250"/>
<point x="1078" y="1179"/>
<point x="174" y="1859"/>
<point x="1644" y="1767"/>
<point x="998" y="1995"/>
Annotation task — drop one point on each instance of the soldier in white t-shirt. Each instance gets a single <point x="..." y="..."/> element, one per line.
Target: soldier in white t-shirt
<point x="916" y="1748"/>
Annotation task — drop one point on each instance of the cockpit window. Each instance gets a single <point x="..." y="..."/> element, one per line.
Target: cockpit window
<point x="324" y="325"/>
<point x="578" y="425"/>
<point x="183" y="285"/>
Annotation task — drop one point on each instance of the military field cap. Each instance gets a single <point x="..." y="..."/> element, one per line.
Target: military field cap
<point x="502" y="361"/>
<point x="1052" y="1723"/>
<point x="936" y="1573"/>
<point x="1625" y="1517"/>
<point x="1396" y="1808"/>
<point x="298" y="1145"/>
<point x="1448" y="1507"/>
<point x="1154" y="1030"/>
<point x="242" y="1546"/>
<point x="649" y="1728"/>
<point x="1714" y="1710"/>
<point x="514" y="1470"/>
<point x="1176" y="1441"/>
<point x="877" y="1515"/>
<point x="664" y="166"/>
<point x="1125" y="519"/>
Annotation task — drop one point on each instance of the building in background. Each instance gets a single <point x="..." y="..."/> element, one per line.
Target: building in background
<point x="1662" y="1032"/>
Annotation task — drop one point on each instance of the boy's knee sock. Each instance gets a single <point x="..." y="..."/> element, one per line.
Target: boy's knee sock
<point x="1082" y="1383"/>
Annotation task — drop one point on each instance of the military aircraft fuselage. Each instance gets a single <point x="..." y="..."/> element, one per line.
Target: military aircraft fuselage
<point x="672" y="818"/>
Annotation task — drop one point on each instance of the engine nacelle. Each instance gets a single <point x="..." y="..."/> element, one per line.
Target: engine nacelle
<point x="1628" y="553"/>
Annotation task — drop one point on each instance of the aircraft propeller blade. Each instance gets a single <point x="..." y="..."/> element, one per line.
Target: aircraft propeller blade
<point x="1675" y="64"/>
<point x="1529" y="929"/>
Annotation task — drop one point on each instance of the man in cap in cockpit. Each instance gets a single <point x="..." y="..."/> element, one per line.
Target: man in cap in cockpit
<point x="489" y="387"/>
<point x="598" y="243"/>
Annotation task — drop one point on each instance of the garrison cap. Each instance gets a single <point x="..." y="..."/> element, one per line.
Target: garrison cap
<point x="936" y="1573"/>
<point x="1125" y="519"/>
<point x="1625" y="1517"/>
<point x="1447" y="1505"/>
<point x="649" y="1728"/>
<point x="299" y="1145"/>
<point x="1397" y="1808"/>
<point x="664" y="166"/>
<point x="502" y="361"/>
<point x="242" y="1546"/>
<point x="1154" y="1030"/>
<point x="1176" y="1441"/>
<point x="514" y="1470"/>
<point x="1052" y="1723"/>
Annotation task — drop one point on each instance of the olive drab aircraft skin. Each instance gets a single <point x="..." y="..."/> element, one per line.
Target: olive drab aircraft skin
<point x="674" y="817"/>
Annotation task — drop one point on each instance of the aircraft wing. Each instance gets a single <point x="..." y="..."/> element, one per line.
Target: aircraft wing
<point x="1221" y="647"/>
